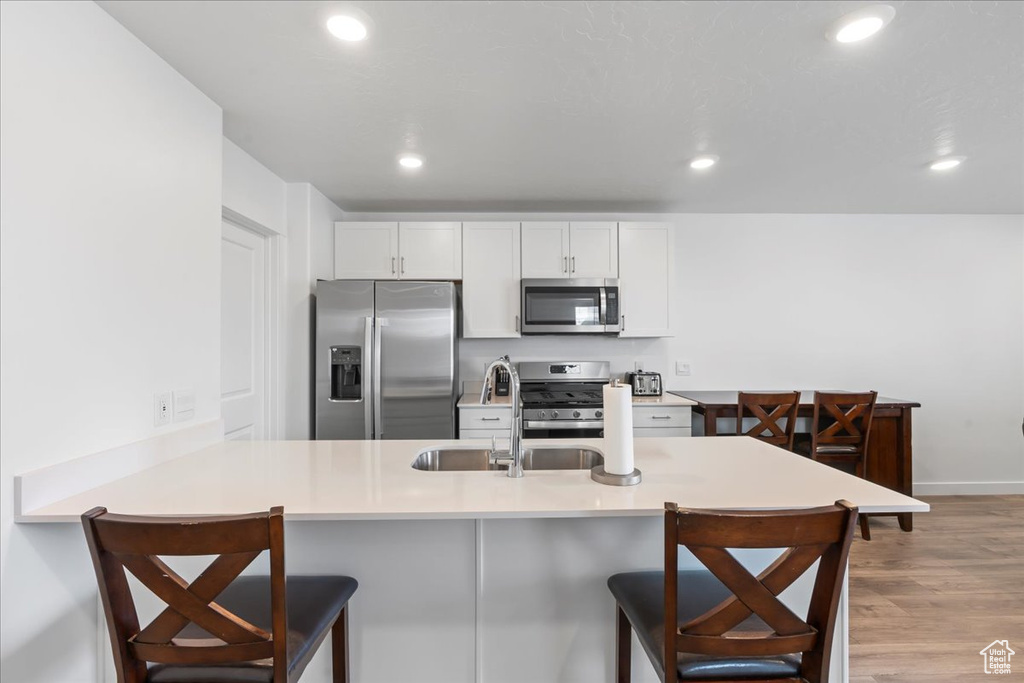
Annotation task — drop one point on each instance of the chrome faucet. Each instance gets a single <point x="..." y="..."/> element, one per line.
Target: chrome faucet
<point x="514" y="455"/>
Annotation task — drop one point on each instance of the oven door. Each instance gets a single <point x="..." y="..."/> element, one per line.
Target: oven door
<point x="563" y="429"/>
<point x="570" y="306"/>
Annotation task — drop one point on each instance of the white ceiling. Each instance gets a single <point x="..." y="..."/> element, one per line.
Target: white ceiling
<point x="597" y="106"/>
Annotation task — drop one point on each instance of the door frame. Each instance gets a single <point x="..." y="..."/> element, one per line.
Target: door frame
<point x="273" y="361"/>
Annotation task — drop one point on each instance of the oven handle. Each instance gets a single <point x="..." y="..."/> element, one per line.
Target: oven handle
<point x="563" y="424"/>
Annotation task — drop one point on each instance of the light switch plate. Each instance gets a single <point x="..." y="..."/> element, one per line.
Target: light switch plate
<point x="184" y="404"/>
<point x="683" y="368"/>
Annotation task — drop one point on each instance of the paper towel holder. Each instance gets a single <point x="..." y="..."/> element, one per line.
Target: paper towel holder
<point x="598" y="474"/>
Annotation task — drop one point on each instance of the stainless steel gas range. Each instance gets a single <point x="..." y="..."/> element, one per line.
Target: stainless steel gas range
<point x="563" y="399"/>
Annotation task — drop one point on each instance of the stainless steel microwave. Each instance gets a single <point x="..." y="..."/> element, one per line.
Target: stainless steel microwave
<point x="572" y="306"/>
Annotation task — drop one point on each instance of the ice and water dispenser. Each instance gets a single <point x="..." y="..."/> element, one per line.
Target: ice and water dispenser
<point x="346" y="373"/>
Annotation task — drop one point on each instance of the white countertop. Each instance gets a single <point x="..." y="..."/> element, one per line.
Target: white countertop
<point x="471" y="399"/>
<point x="345" y="480"/>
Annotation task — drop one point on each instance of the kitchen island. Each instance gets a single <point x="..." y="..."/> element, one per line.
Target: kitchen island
<point x="472" y="576"/>
<point x="889" y="460"/>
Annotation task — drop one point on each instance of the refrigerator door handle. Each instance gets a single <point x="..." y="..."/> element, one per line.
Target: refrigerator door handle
<point x="368" y="400"/>
<point x="378" y="400"/>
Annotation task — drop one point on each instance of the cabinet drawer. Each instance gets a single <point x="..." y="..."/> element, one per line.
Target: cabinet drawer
<point x="488" y="418"/>
<point x="661" y="416"/>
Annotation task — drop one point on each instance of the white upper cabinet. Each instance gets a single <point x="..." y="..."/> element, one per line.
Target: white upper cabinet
<point x="564" y="250"/>
<point x="365" y="251"/>
<point x="594" y="250"/>
<point x="430" y="251"/>
<point x="490" y="279"/>
<point x="391" y="251"/>
<point x="545" y="250"/>
<point x="646" y="279"/>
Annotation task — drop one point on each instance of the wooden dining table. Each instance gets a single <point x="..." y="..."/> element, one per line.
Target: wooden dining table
<point x="890" y="453"/>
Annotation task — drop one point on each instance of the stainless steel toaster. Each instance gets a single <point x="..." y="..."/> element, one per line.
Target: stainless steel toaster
<point x="644" y="383"/>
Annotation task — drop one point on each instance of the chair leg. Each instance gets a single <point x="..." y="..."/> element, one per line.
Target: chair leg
<point x="865" y="530"/>
<point x="339" y="647"/>
<point x="623" y="643"/>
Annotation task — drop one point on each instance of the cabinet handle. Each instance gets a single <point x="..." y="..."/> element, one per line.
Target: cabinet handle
<point x="489" y="419"/>
<point x="661" y="417"/>
<point x="403" y="265"/>
<point x="574" y="264"/>
<point x="622" y="328"/>
<point x="517" y="323"/>
<point x="392" y="265"/>
<point x="565" y="264"/>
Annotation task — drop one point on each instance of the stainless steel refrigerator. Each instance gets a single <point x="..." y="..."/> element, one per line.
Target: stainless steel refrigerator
<point x="386" y="360"/>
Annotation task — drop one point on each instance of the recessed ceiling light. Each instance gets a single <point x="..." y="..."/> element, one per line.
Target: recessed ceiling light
<point x="861" y="24"/>
<point x="946" y="163"/>
<point x="410" y="161"/>
<point x="344" y="27"/>
<point x="702" y="162"/>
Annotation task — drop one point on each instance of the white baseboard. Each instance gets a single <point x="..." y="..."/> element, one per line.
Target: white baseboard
<point x="47" y="485"/>
<point x="968" y="488"/>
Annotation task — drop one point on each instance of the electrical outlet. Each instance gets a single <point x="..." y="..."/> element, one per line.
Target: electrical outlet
<point x="162" y="408"/>
<point x="683" y="368"/>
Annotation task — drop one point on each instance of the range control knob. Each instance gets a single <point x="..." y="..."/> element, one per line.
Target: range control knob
<point x="554" y="413"/>
<point x="575" y="413"/>
<point x="598" y="413"/>
<point x="542" y="414"/>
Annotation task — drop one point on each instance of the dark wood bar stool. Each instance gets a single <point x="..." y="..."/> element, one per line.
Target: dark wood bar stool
<point x="221" y="628"/>
<point x="725" y="624"/>
<point x="840" y="428"/>
<point x="783" y="406"/>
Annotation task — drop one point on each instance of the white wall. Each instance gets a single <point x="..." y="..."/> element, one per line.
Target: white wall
<point x="937" y="319"/>
<point x="301" y="221"/>
<point x="311" y="219"/>
<point x="109" y="287"/>
<point x="252" y="190"/>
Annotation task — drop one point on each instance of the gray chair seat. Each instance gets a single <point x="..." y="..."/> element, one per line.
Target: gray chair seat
<point x="314" y="602"/>
<point x="641" y="595"/>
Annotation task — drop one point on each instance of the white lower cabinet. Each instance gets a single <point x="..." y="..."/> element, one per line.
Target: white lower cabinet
<point x="483" y="422"/>
<point x="657" y="420"/>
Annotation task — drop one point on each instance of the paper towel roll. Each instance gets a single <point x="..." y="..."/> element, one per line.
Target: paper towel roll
<point x="618" y="429"/>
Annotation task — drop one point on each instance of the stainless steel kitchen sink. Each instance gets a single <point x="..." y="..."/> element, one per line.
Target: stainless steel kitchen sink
<point x="535" y="458"/>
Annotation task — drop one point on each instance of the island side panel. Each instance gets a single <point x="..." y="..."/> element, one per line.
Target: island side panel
<point x="413" y="616"/>
<point x="545" y="612"/>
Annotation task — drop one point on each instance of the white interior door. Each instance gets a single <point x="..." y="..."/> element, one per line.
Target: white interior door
<point x="243" y="333"/>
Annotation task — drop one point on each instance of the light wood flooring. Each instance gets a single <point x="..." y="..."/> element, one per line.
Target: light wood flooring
<point x="923" y="604"/>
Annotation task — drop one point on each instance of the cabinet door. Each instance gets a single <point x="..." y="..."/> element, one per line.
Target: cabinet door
<point x="594" y="250"/>
<point x="490" y="280"/>
<point x="546" y="249"/>
<point x="430" y="251"/>
<point x="365" y="251"/>
<point x="646" y="279"/>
